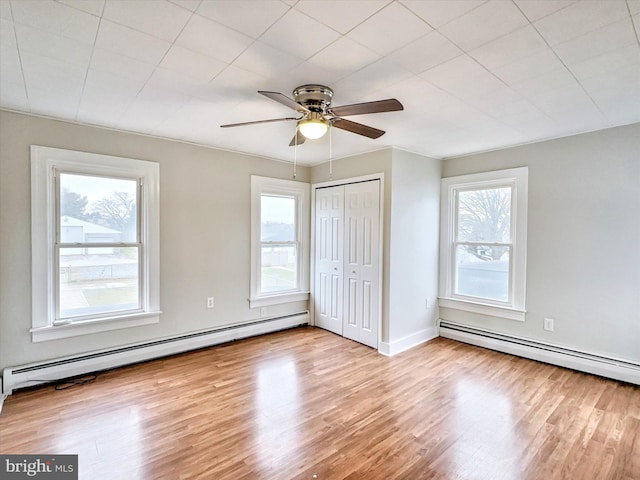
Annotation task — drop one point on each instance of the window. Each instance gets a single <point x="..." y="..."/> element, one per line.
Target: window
<point x="279" y="234"/>
<point x="483" y="243"/>
<point x="95" y="243"/>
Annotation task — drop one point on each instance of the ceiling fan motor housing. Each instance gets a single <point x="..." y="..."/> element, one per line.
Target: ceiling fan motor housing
<point x="316" y="98"/>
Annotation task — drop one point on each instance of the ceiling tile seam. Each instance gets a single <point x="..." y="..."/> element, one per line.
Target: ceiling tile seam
<point x="509" y="87"/>
<point x="14" y="22"/>
<point x="595" y="104"/>
<point x="86" y="73"/>
<point x="448" y="22"/>
<point x="473" y="107"/>
<point x="147" y="33"/>
<point x="467" y="52"/>
<point x="289" y="53"/>
<point x="434" y="29"/>
<point x="492" y="116"/>
<point x="413" y="13"/>
<point x="253" y="42"/>
<point x="156" y="66"/>
<point x="633" y="24"/>
<point x="548" y="14"/>
<point x="78" y="9"/>
<point x="15" y="36"/>
<point x="185" y="8"/>
<point x="330" y="27"/>
<point x="351" y="72"/>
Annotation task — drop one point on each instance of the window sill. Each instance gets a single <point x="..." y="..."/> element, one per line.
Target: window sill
<point x="483" y="308"/>
<point x="278" y="299"/>
<point x="55" y="332"/>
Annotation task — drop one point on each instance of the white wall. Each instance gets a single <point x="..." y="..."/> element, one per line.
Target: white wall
<point x="583" y="250"/>
<point x="415" y="210"/>
<point x="205" y="234"/>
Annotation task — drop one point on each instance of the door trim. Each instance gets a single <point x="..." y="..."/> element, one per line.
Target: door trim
<point x="312" y="251"/>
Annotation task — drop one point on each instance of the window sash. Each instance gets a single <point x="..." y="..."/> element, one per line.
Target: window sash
<point x="296" y="286"/>
<point x="59" y="246"/>
<point x="59" y="319"/>
<point x="455" y="278"/>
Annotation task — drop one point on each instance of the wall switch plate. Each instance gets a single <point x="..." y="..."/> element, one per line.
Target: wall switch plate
<point x="548" y="324"/>
<point x="210" y="302"/>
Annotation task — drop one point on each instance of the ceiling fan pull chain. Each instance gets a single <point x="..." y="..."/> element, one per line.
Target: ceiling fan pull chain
<point x="330" y="154"/>
<point x="295" y="153"/>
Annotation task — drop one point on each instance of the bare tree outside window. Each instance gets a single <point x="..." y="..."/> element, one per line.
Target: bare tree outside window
<point x="117" y="211"/>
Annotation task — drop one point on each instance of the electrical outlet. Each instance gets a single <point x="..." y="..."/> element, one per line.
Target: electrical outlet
<point x="210" y="303"/>
<point x="548" y="324"/>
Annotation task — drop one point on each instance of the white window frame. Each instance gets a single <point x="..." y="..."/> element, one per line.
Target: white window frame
<point x="45" y="162"/>
<point x="517" y="179"/>
<point x="279" y="187"/>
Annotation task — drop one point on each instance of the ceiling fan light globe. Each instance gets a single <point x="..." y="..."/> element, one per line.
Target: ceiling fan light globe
<point x="313" y="128"/>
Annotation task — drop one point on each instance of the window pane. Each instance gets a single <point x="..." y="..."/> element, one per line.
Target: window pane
<point x="483" y="271"/>
<point x="484" y="215"/>
<point x="97" y="209"/>
<point x="278" y="269"/>
<point x="277" y="219"/>
<point x="98" y="280"/>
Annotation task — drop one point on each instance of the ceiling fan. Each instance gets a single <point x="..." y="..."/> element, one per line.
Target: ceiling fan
<point x="313" y="102"/>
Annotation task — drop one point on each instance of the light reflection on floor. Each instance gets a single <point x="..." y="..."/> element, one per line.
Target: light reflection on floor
<point x="487" y="447"/>
<point x="278" y="407"/>
<point x="117" y="434"/>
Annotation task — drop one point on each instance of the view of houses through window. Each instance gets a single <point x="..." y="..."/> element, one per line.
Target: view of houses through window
<point x="98" y="248"/>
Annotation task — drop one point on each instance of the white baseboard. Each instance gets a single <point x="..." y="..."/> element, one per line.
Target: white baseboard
<point x="617" y="369"/>
<point x="55" y="369"/>
<point x="405" y="343"/>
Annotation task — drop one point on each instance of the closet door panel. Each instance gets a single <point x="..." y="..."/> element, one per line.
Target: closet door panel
<point x="328" y="290"/>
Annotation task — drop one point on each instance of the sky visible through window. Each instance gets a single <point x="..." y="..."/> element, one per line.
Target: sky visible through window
<point x="95" y="188"/>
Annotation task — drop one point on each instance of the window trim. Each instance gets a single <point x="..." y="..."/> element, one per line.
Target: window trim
<point x="517" y="178"/>
<point x="45" y="161"/>
<point x="279" y="187"/>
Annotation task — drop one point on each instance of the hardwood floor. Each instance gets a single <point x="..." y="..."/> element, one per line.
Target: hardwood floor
<point x="307" y="404"/>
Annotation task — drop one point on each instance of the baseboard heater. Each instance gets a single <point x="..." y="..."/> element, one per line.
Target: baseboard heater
<point x="45" y="372"/>
<point x="617" y="369"/>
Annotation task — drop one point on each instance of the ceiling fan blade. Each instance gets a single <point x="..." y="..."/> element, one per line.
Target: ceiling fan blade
<point x="358" y="128"/>
<point x="284" y="100"/>
<point x="242" y="124"/>
<point x="388" y="105"/>
<point x="300" y="139"/>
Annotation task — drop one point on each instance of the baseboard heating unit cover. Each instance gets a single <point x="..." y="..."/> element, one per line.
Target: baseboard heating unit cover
<point x="44" y="372"/>
<point x="615" y="368"/>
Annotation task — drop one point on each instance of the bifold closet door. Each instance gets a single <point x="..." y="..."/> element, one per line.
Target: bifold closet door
<point x="329" y="262"/>
<point x="361" y="262"/>
<point x="347" y="253"/>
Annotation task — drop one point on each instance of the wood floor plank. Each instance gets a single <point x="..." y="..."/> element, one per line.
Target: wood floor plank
<point x="307" y="404"/>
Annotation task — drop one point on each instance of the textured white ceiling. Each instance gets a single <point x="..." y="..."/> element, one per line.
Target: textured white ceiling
<point x="473" y="75"/>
